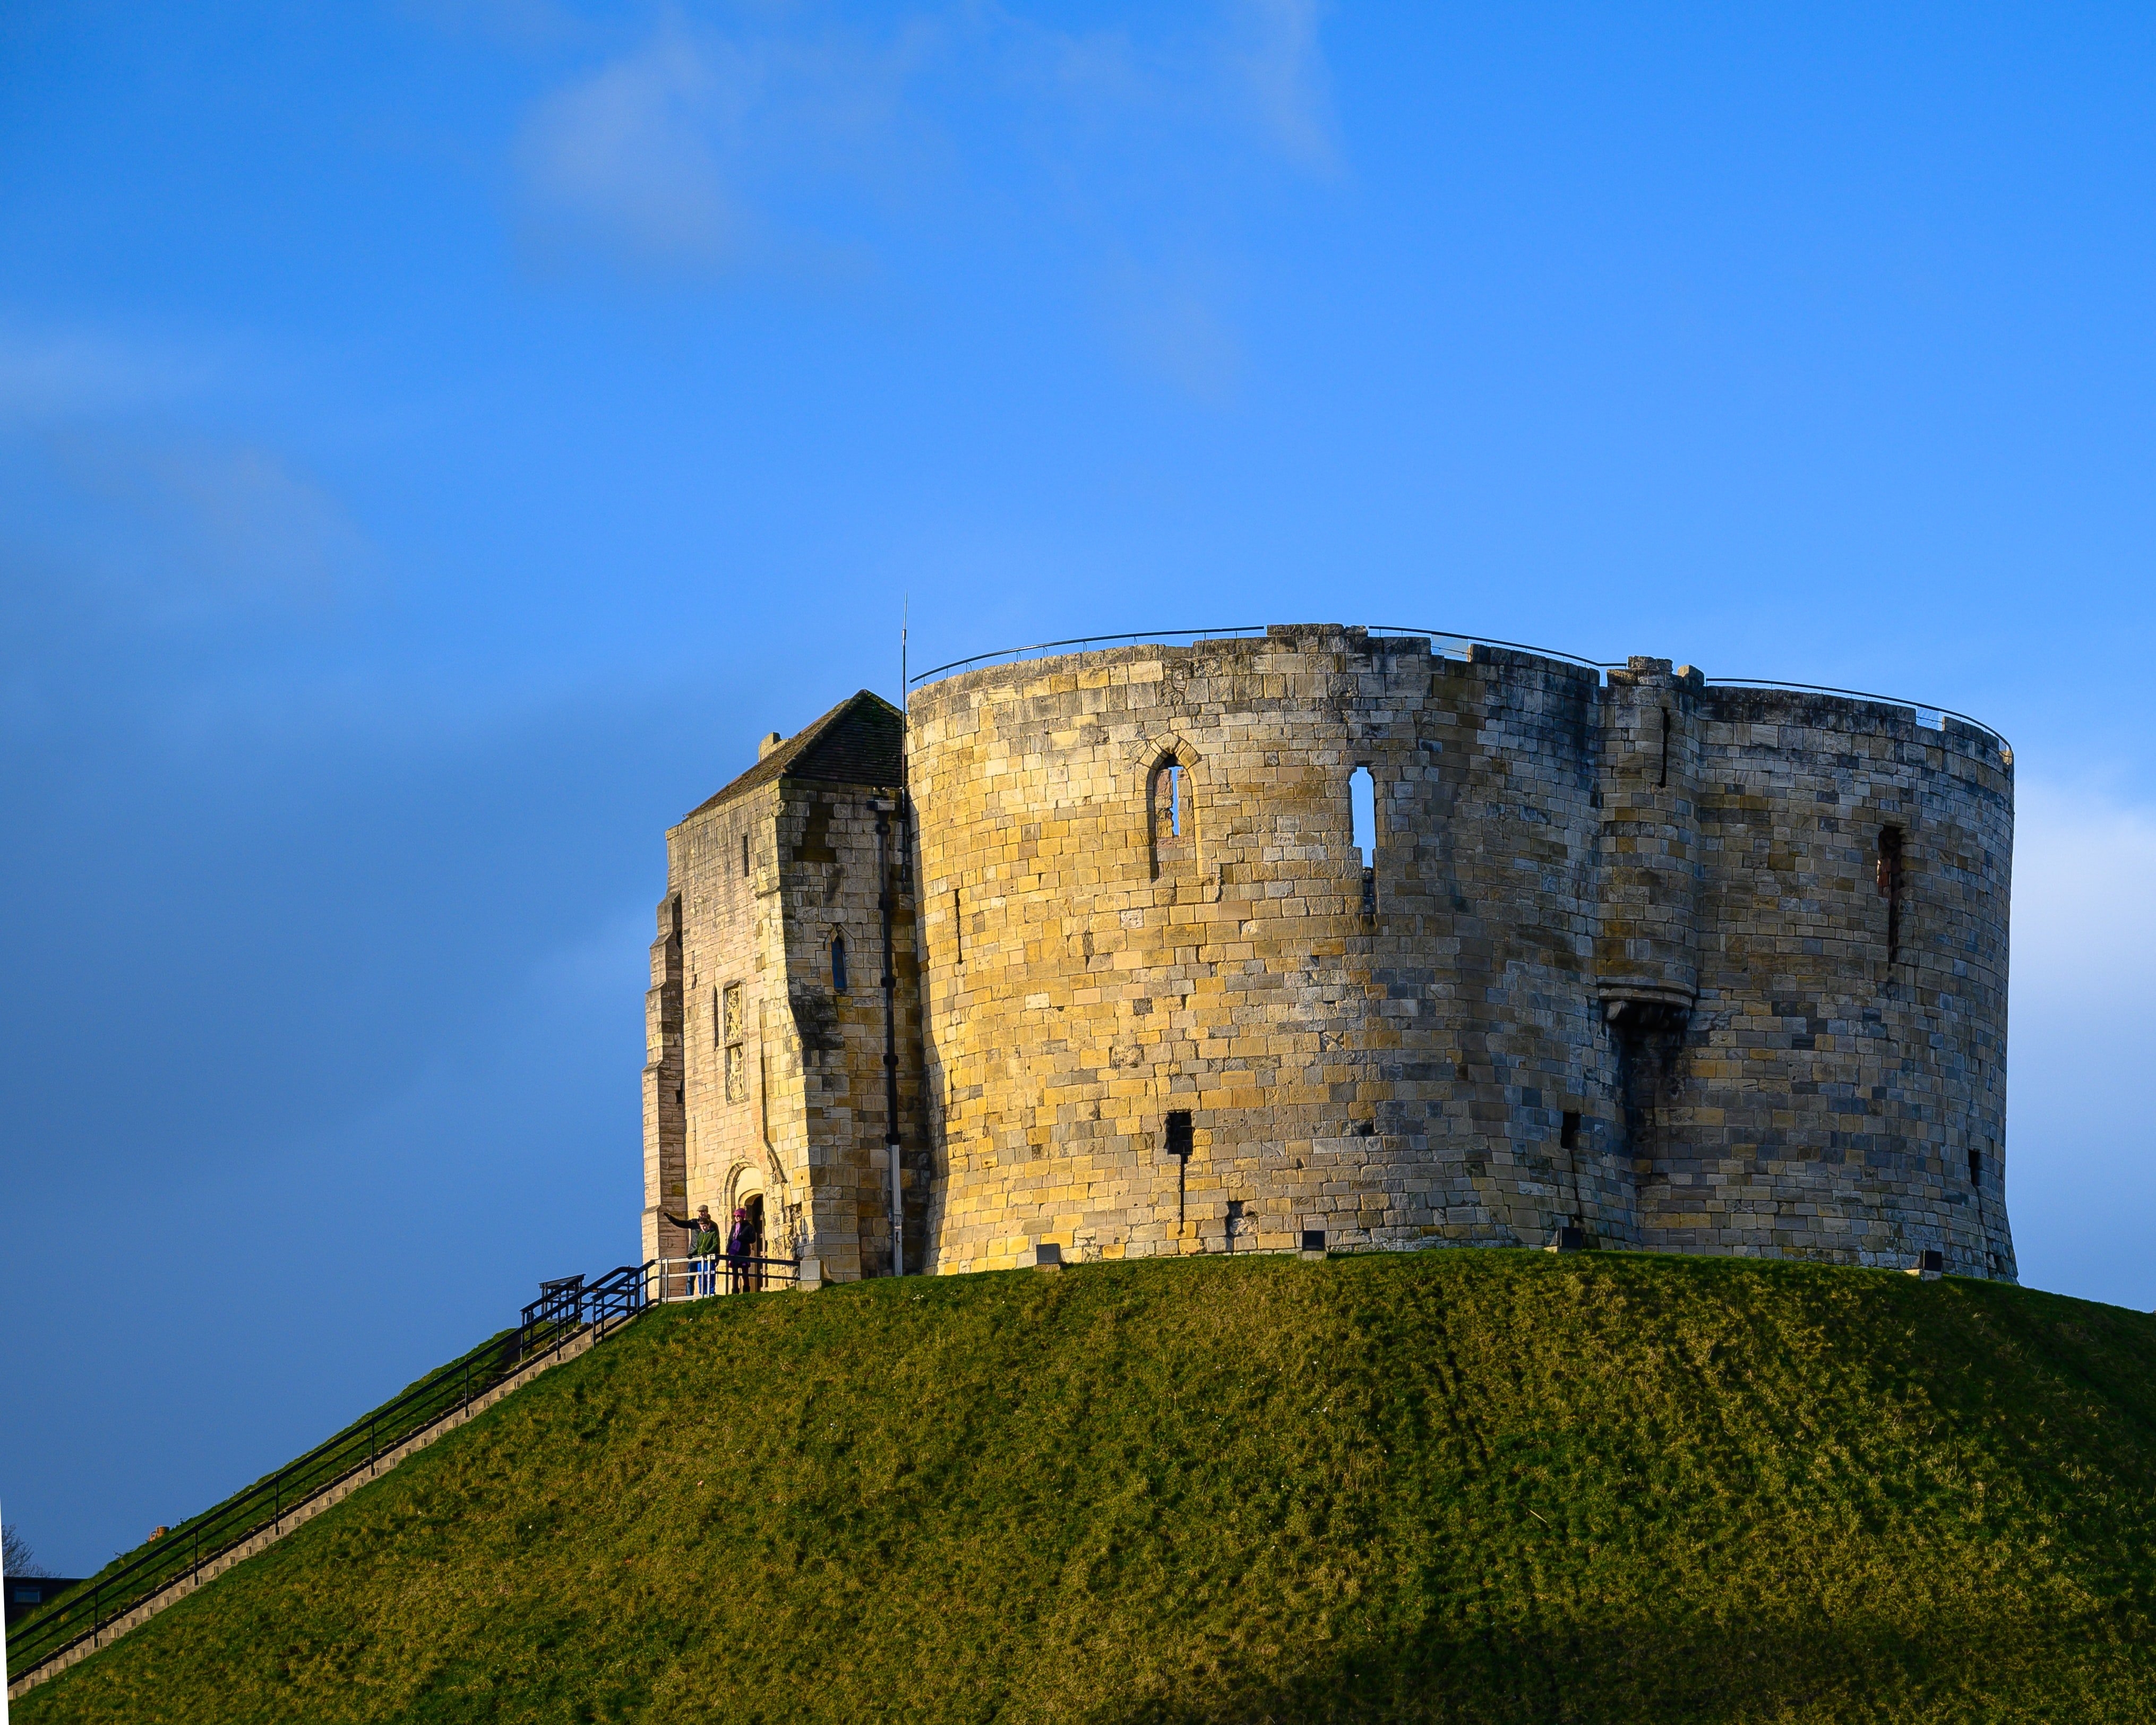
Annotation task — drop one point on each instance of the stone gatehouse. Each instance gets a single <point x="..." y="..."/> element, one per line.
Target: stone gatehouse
<point x="1084" y="952"/>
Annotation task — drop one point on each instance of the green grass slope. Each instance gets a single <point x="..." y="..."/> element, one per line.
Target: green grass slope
<point x="133" y="1575"/>
<point x="1472" y="1485"/>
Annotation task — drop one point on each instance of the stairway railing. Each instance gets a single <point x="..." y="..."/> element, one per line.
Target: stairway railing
<point x="88" y="1611"/>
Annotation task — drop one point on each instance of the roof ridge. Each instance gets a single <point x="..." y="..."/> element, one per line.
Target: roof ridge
<point x="798" y="749"/>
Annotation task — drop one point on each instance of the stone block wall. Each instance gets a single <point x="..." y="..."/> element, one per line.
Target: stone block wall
<point x="835" y="874"/>
<point x="723" y="877"/>
<point x="1841" y="1092"/>
<point x="1619" y="958"/>
<point x="765" y="1059"/>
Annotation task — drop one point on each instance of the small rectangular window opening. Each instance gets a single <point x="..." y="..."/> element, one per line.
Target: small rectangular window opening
<point x="744" y="856"/>
<point x="1662" y="777"/>
<point x="1175" y="798"/>
<point x="1569" y="1134"/>
<point x="838" y="963"/>
<point x="1975" y="1167"/>
<point x="1178" y="1131"/>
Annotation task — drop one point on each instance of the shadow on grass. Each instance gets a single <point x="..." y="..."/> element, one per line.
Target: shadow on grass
<point x="1714" y="1677"/>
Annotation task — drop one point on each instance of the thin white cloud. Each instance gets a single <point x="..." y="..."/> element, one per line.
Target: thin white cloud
<point x="2084" y="904"/>
<point x="2081" y="1144"/>
<point x="1282" y="65"/>
<point x="188" y="526"/>
<point x="1172" y="321"/>
<point x="516" y="24"/>
<point x="630" y="156"/>
<point x="56" y="374"/>
<point x="704" y="149"/>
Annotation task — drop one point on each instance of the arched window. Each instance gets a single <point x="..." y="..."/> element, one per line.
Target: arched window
<point x="1362" y="822"/>
<point x="838" y="963"/>
<point x="1170" y="823"/>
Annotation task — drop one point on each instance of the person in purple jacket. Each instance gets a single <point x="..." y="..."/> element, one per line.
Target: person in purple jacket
<point x="740" y="1248"/>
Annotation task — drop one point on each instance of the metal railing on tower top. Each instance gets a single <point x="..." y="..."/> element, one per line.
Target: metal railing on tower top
<point x="1454" y="645"/>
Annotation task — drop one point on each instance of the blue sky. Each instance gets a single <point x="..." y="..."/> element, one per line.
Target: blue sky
<point x="437" y="440"/>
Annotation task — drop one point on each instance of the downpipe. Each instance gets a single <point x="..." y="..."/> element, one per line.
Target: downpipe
<point x="890" y="1134"/>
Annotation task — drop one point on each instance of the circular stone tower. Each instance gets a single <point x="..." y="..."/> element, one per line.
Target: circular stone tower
<point x="1684" y="967"/>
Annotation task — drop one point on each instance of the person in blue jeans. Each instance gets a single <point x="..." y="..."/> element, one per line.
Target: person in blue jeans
<point x="703" y="1250"/>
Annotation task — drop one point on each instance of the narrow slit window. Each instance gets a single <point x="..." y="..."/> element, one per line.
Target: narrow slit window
<point x="1569" y="1134"/>
<point x="957" y="928"/>
<point x="1889" y="875"/>
<point x="1662" y="776"/>
<point x="838" y="963"/>
<point x="1976" y="1167"/>
<point x="1170" y="821"/>
<point x="1363" y="827"/>
<point x="1362" y="812"/>
<point x="744" y="856"/>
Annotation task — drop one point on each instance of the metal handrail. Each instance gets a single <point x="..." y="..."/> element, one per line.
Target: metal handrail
<point x="1225" y="633"/>
<point x="672" y="1280"/>
<point x="1440" y="636"/>
<point x="570" y="1306"/>
<point x="1446" y="635"/>
<point x="1920" y="707"/>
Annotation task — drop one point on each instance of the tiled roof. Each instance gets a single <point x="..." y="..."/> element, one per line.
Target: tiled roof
<point x="860" y="741"/>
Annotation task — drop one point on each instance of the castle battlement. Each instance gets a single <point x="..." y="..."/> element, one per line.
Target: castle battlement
<point x="1689" y="967"/>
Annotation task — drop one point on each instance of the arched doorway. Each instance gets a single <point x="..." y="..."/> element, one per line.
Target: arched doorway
<point x="753" y="1248"/>
<point x="745" y="1194"/>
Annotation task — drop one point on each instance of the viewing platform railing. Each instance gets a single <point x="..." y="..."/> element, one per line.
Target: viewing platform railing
<point x="1447" y="643"/>
<point x="676" y="1279"/>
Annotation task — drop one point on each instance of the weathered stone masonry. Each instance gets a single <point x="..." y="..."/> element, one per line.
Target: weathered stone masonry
<point x="1691" y="967"/>
<point x="764" y="1079"/>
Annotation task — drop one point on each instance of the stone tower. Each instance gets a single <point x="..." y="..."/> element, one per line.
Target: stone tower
<point x="1686" y="968"/>
<point x="776" y="1033"/>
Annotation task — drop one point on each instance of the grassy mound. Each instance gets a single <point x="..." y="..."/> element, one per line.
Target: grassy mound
<point x="1474" y="1485"/>
<point x="133" y="1576"/>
